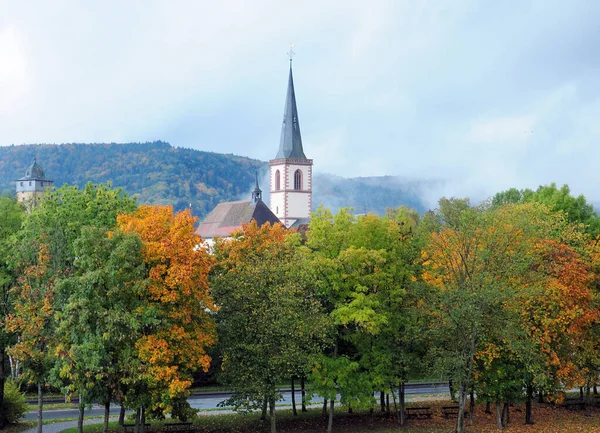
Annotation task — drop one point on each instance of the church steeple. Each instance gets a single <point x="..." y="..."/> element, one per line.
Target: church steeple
<point x="290" y="144"/>
<point x="257" y="193"/>
<point x="291" y="170"/>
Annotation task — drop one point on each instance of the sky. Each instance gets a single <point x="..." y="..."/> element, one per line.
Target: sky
<point x="479" y="96"/>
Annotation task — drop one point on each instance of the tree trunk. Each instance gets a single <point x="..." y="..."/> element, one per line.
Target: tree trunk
<point x="588" y="402"/>
<point x="488" y="407"/>
<point x="451" y="390"/>
<point x="330" y="422"/>
<point x="3" y="419"/>
<point x="462" y="403"/>
<point x="122" y="415"/>
<point x="143" y="420"/>
<point x="387" y="403"/>
<point x="324" y="411"/>
<point x="595" y="390"/>
<point x="40" y="408"/>
<point x="272" y="415"/>
<point x="505" y="414"/>
<point x="263" y="415"/>
<point x="540" y="397"/>
<point x="471" y="406"/>
<point x="401" y="399"/>
<point x="395" y="406"/>
<point x="106" y="413"/>
<point x="581" y="393"/>
<point x="528" y="404"/>
<point x="349" y="408"/>
<point x="294" y="398"/>
<point x="303" y="394"/>
<point x="499" y="424"/>
<point x="138" y="412"/>
<point x="81" y="407"/>
<point x="382" y="400"/>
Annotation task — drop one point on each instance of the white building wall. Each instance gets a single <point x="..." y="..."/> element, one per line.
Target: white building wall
<point x="286" y="203"/>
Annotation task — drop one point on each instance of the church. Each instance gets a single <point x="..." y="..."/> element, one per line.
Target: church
<point x="290" y="185"/>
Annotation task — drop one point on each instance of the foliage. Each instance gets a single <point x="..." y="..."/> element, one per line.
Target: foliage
<point x="175" y="309"/>
<point x="577" y="209"/>
<point x="15" y="404"/>
<point x="98" y="322"/>
<point x="268" y="320"/>
<point x="11" y="217"/>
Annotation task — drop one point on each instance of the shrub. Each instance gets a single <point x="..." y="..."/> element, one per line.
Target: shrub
<point x="15" y="404"/>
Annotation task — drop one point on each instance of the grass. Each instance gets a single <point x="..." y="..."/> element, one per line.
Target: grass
<point x="548" y="418"/>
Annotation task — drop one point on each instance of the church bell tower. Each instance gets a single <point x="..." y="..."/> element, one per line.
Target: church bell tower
<point x="291" y="170"/>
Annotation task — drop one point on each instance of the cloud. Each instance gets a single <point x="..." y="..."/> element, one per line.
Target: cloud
<point x="483" y="95"/>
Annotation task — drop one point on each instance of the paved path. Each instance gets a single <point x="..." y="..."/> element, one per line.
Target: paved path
<point x="60" y="426"/>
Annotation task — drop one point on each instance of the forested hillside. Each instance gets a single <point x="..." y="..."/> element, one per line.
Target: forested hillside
<point x="158" y="173"/>
<point x="155" y="172"/>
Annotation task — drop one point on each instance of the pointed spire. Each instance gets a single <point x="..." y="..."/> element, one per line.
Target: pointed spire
<point x="257" y="193"/>
<point x="290" y="145"/>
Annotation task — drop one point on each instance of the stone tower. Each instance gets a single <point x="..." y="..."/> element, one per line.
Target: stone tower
<point x="291" y="170"/>
<point x="32" y="187"/>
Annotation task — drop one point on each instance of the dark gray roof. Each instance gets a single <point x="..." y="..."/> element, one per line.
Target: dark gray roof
<point x="290" y="145"/>
<point x="34" y="172"/>
<point x="228" y="217"/>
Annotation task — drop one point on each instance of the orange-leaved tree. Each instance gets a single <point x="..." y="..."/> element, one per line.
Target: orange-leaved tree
<point x="32" y="320"/>
<point x="177" y="326"/>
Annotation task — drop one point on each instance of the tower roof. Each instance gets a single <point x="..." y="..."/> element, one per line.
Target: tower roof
<point x="290" y="145"/>
<point x="34" y="172"/>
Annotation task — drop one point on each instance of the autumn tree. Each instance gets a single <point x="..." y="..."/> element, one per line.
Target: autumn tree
<point x="268" y="317"/>
<point x="43" y="254"/>
<point x="176" y="306"/>
<point x="475" y="260"/>
<point x="33" y="321"/>
<point x="11" y="217"/>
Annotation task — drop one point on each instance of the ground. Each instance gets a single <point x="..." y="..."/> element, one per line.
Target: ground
<point x="548" y="419"/>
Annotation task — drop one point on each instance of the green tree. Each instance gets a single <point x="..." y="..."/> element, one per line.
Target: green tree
<point x="364" y="270"/>
<point x="98" y="323"/>
<point x="577" y="209"/>
<point x="266" y="319"/>
<point x="11" y="217"/>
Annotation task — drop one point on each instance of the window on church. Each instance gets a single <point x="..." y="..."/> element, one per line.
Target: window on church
<point x="29" y="183"/>
<point x="277" y="181"/>
<point x="297" y="180"/>
<point x="21" y="183"/>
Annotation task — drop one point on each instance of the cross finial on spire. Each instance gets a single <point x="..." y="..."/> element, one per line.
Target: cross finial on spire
<point x="291" y="52"/>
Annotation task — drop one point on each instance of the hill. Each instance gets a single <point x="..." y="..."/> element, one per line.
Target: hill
<point x="159" y="173"/>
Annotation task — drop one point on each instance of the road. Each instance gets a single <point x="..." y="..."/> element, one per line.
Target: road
<point x="208" y="400"/>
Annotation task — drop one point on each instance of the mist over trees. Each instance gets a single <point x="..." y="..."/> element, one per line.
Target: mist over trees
<point x="119" y="303"/>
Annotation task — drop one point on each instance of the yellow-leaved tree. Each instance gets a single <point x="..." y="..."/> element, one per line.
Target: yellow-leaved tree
<point x="177" y="325"/>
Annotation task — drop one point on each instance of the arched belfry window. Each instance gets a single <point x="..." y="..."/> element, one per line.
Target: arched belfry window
<point x="277" y="181"/>
<point x="298" y="180"/>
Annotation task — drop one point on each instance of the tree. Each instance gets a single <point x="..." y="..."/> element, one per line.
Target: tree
<point x="33" y="320"/>
<point x="268" y="318"/>
<point x="476" y="261"/>
<point x="577" y="209"/>
<point x="11" y="217"/>
<point x="43" y="254"/>
<point x="98" y="324"/>
<point x="364" y="267"/>
<point x="176" y="308"/>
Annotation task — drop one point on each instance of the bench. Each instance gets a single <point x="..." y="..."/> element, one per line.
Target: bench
<point x="131" y="427"/>
<point x="418" y="412"/>
<point x="448" y="411"/>
<point x="574" y="403"/>
<point x="178" y="426"/>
